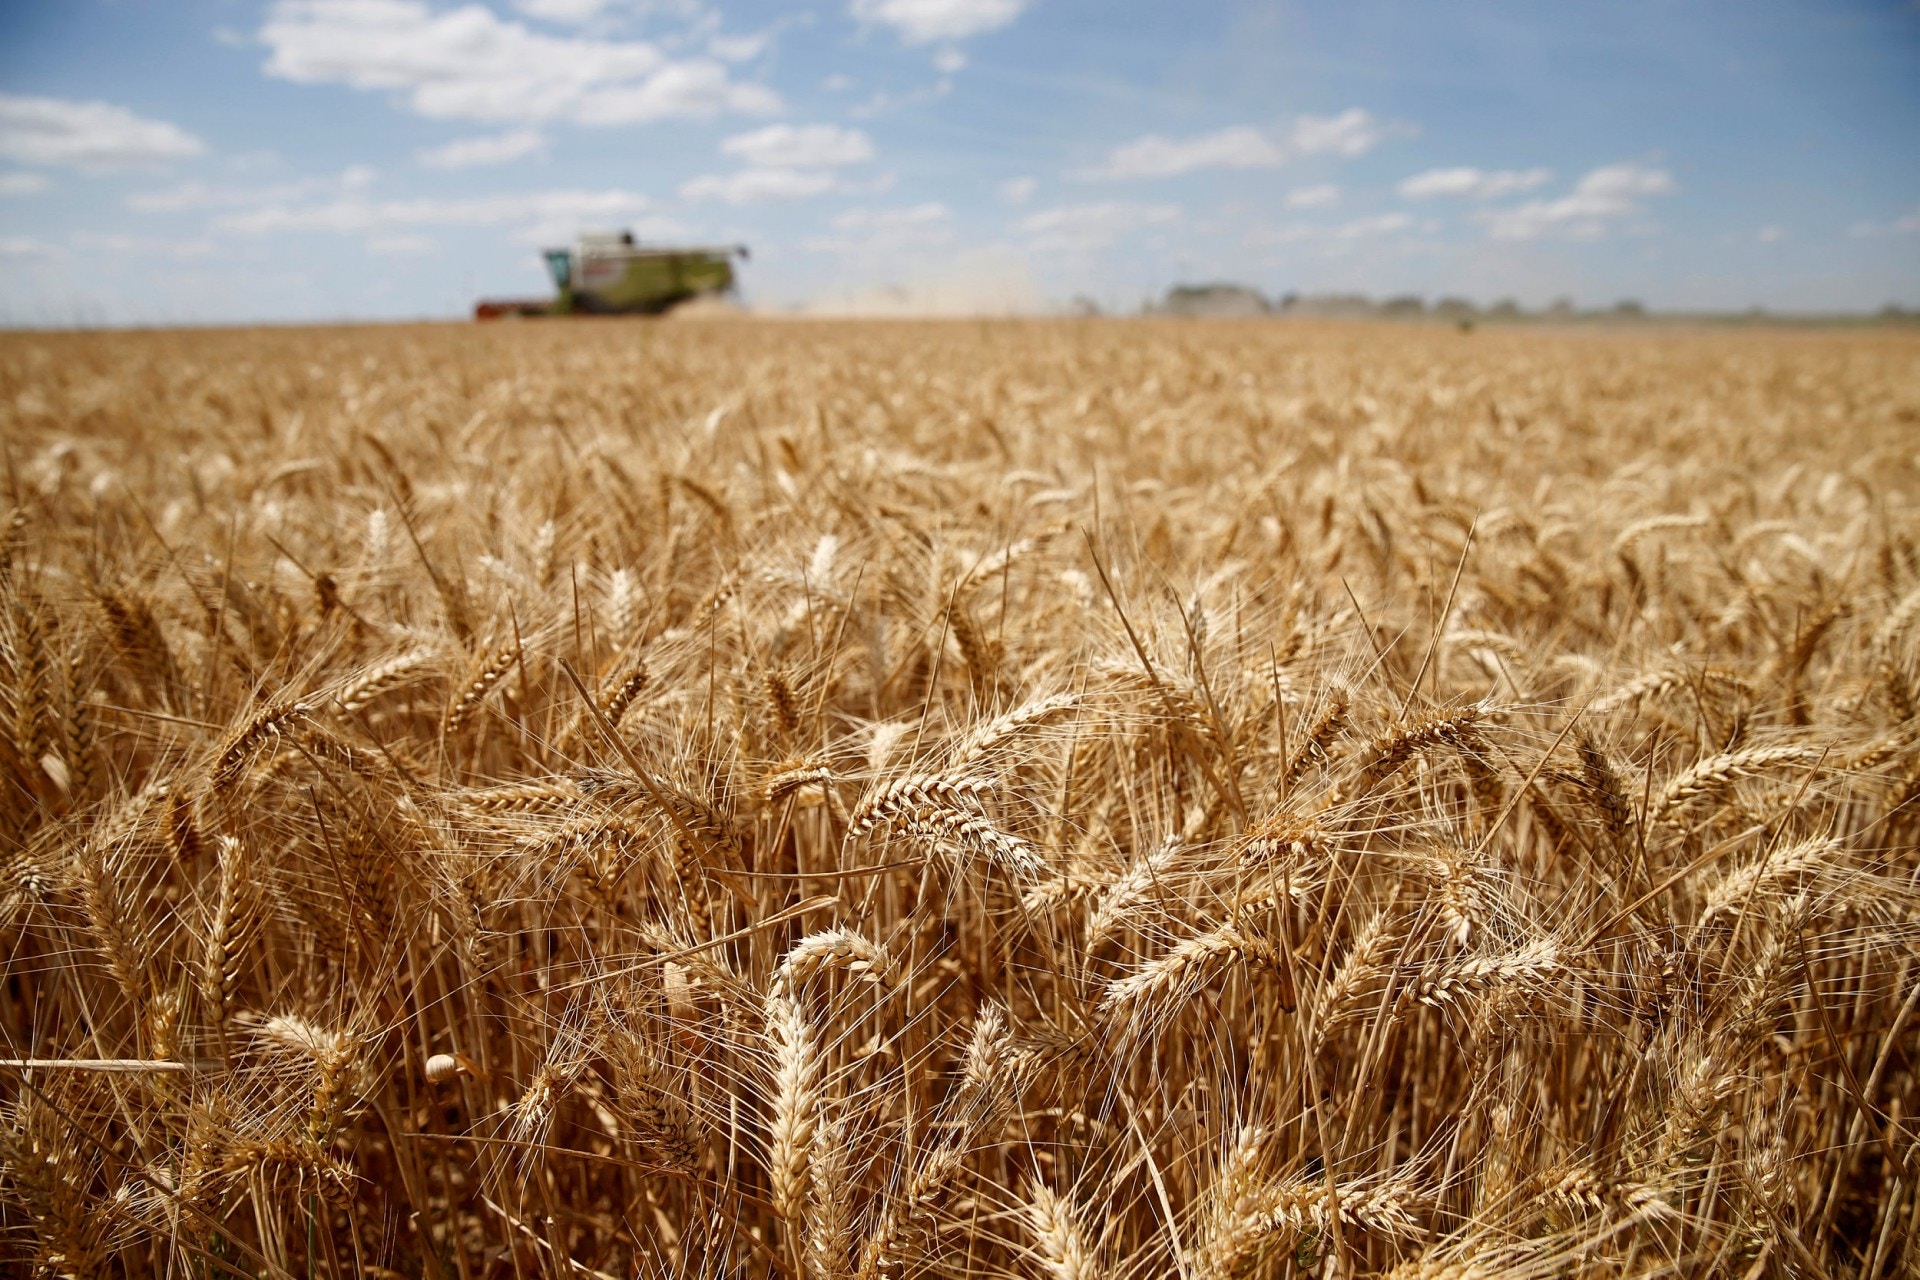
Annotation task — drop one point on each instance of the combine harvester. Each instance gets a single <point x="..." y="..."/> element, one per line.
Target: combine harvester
<point x="608" y="274"/>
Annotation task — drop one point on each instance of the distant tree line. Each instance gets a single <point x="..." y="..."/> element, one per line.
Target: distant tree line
<point x="1228" y="299"/>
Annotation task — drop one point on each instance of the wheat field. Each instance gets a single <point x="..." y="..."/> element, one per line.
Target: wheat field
<point x="1055" y="799"/>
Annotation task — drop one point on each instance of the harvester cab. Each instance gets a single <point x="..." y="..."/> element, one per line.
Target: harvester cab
<point x="560" y="267"/>
<point x="610" y="274"/>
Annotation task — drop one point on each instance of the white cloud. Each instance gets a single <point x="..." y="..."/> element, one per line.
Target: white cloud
<point x="837" y="83"/>
<point x="145" y="246"/>
<point x="806" y="146"/>
<point x="1597" y="203"/>
<point x="949" y="61"/>
<point x="695" y="88"/>
<point x="1154" y="156"/>
<point x="1770" y="234"/>
<point x="758" y="186"/>
<point x="540" y="214"/>
<point x="1906" y="225"/>
<point x="88" y="135"/>
<point x="1624" y="182"/>
<point x="1086" y="228"/>
<point x="492" y="148"/>
<point x="262" y="158"/>
<point x="1382" y="224"/>
<point x="884" y="101"/>
<point x="1292" y="233"/>
<point x="571" y="11"/>
<point x="1018" y="190"/>
<point x="342" y="206"/>
<point x="1353" y="132"/>
<point x="1378" y="225"/>
<point x="198" y="195"/>
<point x="468" y="63"/>
<point x="189" y="196"/>
<point x="1473" y="184"/>
<point x="24" y="247"/>
<point x="1322" y="196"/>
<point x="580" y="13"/>
<point x="740" y="48"/>
<point x="925" y="21"/>
<point x="22" y="184"/>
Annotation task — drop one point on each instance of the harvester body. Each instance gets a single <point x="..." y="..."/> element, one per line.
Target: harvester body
<point x="612" y="275"/>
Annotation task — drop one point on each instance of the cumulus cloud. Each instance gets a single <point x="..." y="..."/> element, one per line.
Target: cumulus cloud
<point x="1154" y="156"/>
<point x="1291" y="233"/>
<point x="1621" y="182"/>
<point x="695" y="88"/>
<point x="187" y="197"/>
<point x="885" y="101"/>
<point x="1379" y="225"/>
<point x="1088" y="228"/>
<point x="1376" y="225"/>
<point x="1473" y="184"/>
<point x="758" y="186"/>
<point x="740" y="48"/>
<point x="468" y="63"/>
<point x="492" y="148"/>
<point x="144" y="246"/>
<point x="785" y="162"/>
<point x="744" y="46"/>
<point x="806" y="146"/>
<point x="22" y="184"/>
<point x="539" y="215"/>
<point x="1353" y="132"/>
<point x="925" y="21"/>
<point x="1322" y="196"/>
<point x="570" y="11"/>
<point x="25" y="247"/>
<point x="1906" y="225"/>
<point x="198" y="195"/>
<point x="1597" y="203"/>
<point x="88" y="135"/>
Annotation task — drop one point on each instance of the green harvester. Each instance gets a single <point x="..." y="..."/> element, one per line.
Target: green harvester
<point x="610" y="274"/>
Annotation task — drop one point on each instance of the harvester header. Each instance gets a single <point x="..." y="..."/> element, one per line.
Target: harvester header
<point x="610" y="274"/>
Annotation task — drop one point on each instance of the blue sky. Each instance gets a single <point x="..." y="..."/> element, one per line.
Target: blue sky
<point x="232" y="160"/>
